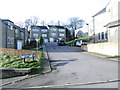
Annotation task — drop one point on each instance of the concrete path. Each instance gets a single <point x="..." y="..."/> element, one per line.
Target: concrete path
<point x="71" y="66"/>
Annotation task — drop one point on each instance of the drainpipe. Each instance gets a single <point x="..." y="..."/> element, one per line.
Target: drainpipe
<point x="94" y="28"/>
<point x="6" y="36"/>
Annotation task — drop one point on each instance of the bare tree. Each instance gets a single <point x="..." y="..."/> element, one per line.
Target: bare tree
<point x="75" y="23"/>
<point x="31" y="21"/>
<point x="20" y="24"/>
<point x="28" y="23"/>
<point x="34" y="20"/>
<point x="43" y="23"/>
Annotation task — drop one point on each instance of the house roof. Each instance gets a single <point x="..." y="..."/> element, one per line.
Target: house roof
<point x="41" y="27"/>
<point x="100" y="12"/>
<point x="61" y="27"/>
<point x="113" y="24"/>
<point x="7" y="20"/>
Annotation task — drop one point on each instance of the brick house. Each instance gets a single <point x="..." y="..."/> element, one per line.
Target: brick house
<point x="38" y="31"/>
<point x="56" y="32"/>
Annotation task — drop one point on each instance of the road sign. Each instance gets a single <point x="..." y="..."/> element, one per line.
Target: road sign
<point x="27" y="55"/>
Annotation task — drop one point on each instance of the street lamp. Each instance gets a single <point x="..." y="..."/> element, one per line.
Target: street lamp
<point x="87" y="28"/>
<point x="37" y="43"/>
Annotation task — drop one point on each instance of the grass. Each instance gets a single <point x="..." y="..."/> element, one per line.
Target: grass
<point x="16" y="62"/>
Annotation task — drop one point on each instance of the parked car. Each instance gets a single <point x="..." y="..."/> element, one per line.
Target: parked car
<point x="79" y="43"/>
<point x="85" y="42"/>
<point x="61" y="43"/>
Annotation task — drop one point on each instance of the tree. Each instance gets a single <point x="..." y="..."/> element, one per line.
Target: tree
<point x="41" y="40"/>
<point x="31" y="21"/>
<point x="20" y="24"/>
<point x="43" y="23"/>
<point x="75" y="23"/>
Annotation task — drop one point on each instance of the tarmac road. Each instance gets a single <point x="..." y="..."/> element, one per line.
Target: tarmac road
<point x="74" y="67"/>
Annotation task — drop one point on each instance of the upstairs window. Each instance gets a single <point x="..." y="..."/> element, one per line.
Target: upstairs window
<point x="62" y="35"/>
<point x="35" y="30"/>
<point x="22" y="34"/>
<point x="61" y="30"/>
<point x="44" y="30"/>
<point x="44" y="35"/>
<point x="35" y="35"/>
<point x="53" y="29"/>
<point x="53" y="34"/>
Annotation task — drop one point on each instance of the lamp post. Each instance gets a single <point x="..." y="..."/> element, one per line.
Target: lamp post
<point x="87" y="28"/>
<point x="37" y="43"/>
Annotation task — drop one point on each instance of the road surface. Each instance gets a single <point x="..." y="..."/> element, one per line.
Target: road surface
<point x="74" y="68"/>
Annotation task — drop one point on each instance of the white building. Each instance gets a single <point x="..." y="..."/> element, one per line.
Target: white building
<point x="106" y="26"/>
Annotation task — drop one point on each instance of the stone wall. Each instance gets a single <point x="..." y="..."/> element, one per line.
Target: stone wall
<point x="107" y="48"/>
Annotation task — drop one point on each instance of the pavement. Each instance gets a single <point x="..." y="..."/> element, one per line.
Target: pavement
<point x="74" y="68"/>
<point x="46" y="61"/>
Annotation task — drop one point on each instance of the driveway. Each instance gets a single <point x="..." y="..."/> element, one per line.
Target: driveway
<point x="75" y="68"/>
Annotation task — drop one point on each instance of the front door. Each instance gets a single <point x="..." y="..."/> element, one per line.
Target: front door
<point x="19" y="44"/>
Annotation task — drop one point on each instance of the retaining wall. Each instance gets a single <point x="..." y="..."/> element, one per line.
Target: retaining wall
<point x="15" y="52"/>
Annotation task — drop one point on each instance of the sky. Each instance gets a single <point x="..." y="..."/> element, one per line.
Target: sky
<point x="50" y="10"/>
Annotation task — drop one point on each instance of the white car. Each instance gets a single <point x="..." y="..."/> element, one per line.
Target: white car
<point x="79" y="43"/>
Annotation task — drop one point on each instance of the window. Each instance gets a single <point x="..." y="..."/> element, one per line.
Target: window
<point x="11" y="27"/>
<point x="53" y="34"/>
<point x="45" y="40"/>
<point x="10" y="40"/>
<point x="35" y="35"/>
<point x="22" y="34"/>
<point x="44" y="35"/>
<point x="16" y="31"/>
<point x="35" y="30"/>
<point x="61" y="30"/>
<point x="44" y="30"/>
<point x="102" y="35"/>
<point x="53" y="29"/>
<point x="106" y="35"/>
<point x="62" y="35"/>
<point x="51" y="39"/>
<point x="98" y="36"/>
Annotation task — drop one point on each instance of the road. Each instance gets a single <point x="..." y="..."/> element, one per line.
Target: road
<point x="74" y="68"/>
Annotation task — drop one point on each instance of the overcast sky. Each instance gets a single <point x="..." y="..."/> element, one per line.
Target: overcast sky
<point x="49" y="10"/>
